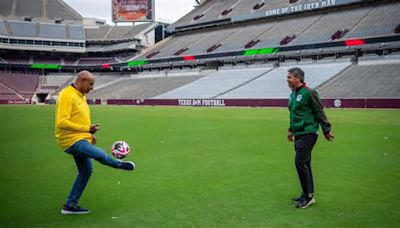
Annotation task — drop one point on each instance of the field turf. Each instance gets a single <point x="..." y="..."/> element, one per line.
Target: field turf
<point x="202" y="167"/>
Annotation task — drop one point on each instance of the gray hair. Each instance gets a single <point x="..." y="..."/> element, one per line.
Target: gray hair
<point x="297" y="72"/>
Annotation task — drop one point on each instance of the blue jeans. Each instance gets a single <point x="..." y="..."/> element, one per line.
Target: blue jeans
<point x="83" y="152"/>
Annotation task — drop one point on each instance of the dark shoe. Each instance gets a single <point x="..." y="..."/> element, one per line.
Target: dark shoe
<point x="127" y="165"/>
<point x="305" y="202"/>
<point x="74" y="210"/>
<point x="298" y="199"/>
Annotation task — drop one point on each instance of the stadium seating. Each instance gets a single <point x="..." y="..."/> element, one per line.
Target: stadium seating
<point x="24" y="84"/>
<point x="244" y="35"/>
<point x="23" y="29"/>
<point x="42" y="30"/>
<point x="323" y="28"/>
<point x="240" y="78"/>
<point x="118" y="32"/>
<point x="188" y="18"/>
<point x="285" y="27"/>
<point x="381" y="20"/>
<point x="293" y="30"/>
<point x="53" y="31"/>
<point x="215" y="83"/>
<point x="213" y="10"/>
<point x="6" y="93"/>
<point x="247" y="7"/>
<point x="55" y="80"/>
<point x="76" y="32"/>
<point x="115" y="32"/>
<point x="366" y="80"/>
<point x="274" y="84"/>
<point x="97" y="33"/>
<point x="140" y="88"/>
<point x="48" y="84"/>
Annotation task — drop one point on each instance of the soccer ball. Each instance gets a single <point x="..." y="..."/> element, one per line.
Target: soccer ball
<point x="120" y="149"/>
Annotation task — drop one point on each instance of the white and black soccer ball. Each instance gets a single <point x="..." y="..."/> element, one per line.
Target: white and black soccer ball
<point x="120" y="149"/>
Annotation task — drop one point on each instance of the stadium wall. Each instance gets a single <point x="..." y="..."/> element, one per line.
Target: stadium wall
<point x="329" y="103"/>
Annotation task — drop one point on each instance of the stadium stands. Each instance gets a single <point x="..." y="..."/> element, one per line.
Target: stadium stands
<point x="292" y="30"/>
<point x="274" y="84"/>
<point x="214" y="10"/>
<point x="366" y="80"/>
<point x="215" y="83"/>
<point x="118" y="32"/>
<point x="76" y="32"/>
<point x="285" y="27"/>
<point x="327" y="25"/>
<point x="48" y="84"/>
<point x="241" y="34"/>
<point x="24" y="84"/>
<point x="43" y="30"/>
<point x="57" y="31"/>
<point x="6" y="93"/>
<point x="244" y="35"/>
<point x="172" y="46"/>
<point x="23" y="29"/>
<point x="115" y="32"/>
<point x="381" y="20"/>
<point x="140" y="88"/>
<point x="188" y="18"/>
<point x="248" y="7"/>
<point x="97" y="33"/>
<point x="55" y="80"/>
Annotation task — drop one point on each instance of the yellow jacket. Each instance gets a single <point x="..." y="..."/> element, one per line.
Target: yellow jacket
<point x="72" y="120"/>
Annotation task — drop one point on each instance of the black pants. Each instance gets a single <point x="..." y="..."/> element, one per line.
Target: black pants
<point x="303" y="146"/>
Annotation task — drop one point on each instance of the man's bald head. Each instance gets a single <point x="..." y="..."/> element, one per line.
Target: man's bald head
<point x="84" y="81"/>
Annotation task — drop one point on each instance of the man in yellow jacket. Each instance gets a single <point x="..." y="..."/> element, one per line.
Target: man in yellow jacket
<point x="75" y="135"/>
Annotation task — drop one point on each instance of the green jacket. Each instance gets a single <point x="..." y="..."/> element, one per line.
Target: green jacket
<point x="306" y="112"/>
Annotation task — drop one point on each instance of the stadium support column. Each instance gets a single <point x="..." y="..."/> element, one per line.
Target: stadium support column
<point x="357" y="54"/>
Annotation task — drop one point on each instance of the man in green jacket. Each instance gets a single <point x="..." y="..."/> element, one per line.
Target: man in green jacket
<point x="306" y="114"/>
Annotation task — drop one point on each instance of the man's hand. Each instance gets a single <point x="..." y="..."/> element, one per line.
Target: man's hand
<point x="290" y="136"/>
<point x="329" y="136"/>
<point x="94" y="140"/>
<point x="94" y="128"/>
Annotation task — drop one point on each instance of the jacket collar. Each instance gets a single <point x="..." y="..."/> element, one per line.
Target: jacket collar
<point x="73" y="86"/>
<point x="300" y="87"/>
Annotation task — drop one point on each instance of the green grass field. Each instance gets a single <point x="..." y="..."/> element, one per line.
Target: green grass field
<point x="202" y="167"/>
